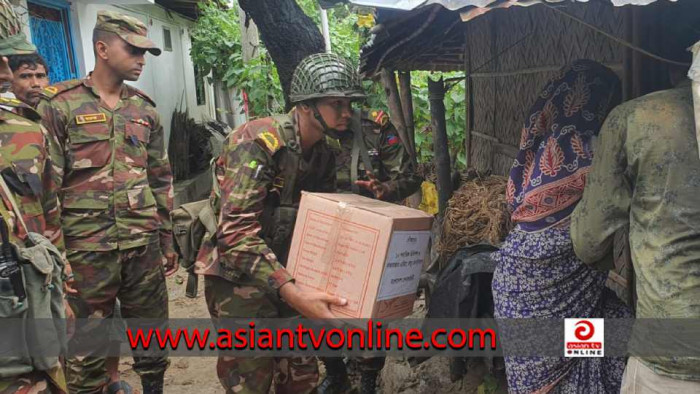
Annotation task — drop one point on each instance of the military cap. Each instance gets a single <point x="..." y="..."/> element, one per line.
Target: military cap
<point x="130" y="29"/>
<point x="12" y="39"/>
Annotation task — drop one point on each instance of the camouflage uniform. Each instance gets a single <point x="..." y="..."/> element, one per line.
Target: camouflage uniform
<point x="242" y="273"/>
<point x="26" y="152"/>
<point x="391" y="163"/>
<point x="116" y="198"/>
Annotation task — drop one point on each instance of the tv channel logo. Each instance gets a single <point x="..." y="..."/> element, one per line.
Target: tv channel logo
<point x="584" y="337"/>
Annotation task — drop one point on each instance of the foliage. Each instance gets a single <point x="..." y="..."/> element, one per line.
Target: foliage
<point x="455" y="118"/>
<point x="216" y="48"/>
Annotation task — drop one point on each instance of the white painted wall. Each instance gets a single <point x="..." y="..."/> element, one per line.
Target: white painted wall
<point x="168" y="78"/>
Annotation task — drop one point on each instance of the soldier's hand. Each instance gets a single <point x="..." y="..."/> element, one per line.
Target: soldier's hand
<point x="170" y="263"/>
<point x="70" y="319"/>
<point x="311" y="304"/>
<point x="379" y="189"/>
<point x="68" y="280"/>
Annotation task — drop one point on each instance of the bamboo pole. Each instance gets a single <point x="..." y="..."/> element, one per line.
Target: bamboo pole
<point x="407" y="106"/>
<point x="395" y="109"/>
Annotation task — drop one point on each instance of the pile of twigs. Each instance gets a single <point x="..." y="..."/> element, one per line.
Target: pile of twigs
<point x="477" y="213"/>
<point x="190" y="148"/>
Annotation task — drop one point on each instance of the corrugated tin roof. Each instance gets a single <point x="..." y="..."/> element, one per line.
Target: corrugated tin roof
<point x="453" y="5"/>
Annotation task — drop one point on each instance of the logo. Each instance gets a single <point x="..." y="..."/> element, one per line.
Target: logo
<point x="270" y="141"/>
<point x="584" y="337"/>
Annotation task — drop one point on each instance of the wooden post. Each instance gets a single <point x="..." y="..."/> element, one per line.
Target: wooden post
<point x="468" y="97"/>
<point x="407" y="106"/>
<point x="395" y="110"/>
<point x="436" y="96"/>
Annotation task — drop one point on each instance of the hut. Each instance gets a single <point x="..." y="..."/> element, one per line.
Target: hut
<point x="509" y="49"/>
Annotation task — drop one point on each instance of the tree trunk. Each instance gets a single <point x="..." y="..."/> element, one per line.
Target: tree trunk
<point x="436" y="96"/>
<point x="288" y="34"/>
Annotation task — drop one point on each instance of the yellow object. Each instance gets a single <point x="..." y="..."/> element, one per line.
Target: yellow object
<point x="270" y="140"/>
<point x="429" y="203"/>
<point x="365" y="20"/>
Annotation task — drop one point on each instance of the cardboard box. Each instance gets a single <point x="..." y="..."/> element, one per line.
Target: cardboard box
<point x="368" y="251"/>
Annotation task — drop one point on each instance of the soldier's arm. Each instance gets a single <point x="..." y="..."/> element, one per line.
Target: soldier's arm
<point x="54" y="129"/>
<point x="51" y="187"/>
<point x="403" y="180"/>
<point x="249" y="172"/>
<point x="160" y="179"/>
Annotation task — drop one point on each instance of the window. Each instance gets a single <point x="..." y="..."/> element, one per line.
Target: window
<point x="167" y="40"/>
<point x="200" y="92"/>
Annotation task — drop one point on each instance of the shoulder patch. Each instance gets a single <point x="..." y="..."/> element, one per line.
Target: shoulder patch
<point x="271" y="140"/>
<point x="11" y="102"/>
<point x="50" y="92"/>
<point x="143" y="95"/>
<point x="379" y="117"/>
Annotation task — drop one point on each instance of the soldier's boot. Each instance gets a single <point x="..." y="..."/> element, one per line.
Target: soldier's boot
<point x="368" y="382"/>
<point x="153" y="384"/>
<point x="336" y="380"/>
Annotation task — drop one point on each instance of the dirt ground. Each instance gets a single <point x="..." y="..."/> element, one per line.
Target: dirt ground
<point x="198" y="374"/>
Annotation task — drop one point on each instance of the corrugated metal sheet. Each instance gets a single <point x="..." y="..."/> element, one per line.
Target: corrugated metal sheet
<point x="453" y="5"/>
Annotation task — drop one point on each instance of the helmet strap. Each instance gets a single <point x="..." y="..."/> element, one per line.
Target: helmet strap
<point x="318" y="117"/>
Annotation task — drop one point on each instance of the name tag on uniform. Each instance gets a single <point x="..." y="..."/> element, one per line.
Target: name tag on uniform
<point x="91" y="118"/>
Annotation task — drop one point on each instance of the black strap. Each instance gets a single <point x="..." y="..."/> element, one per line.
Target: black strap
<point x="289" y="162"/>
<point x="359" y="149"/>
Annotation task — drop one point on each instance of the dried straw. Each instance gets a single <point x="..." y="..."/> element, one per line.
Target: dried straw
<point x="476" y="213"/>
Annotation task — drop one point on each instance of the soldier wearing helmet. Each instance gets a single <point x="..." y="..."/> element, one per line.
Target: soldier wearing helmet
<point x="265" y="165"/>
<point x="29" y="218"/>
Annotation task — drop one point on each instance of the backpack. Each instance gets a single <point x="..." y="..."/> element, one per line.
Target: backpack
<point x="192" y="223"/>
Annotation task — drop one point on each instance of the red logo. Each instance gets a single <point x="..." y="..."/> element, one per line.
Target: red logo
<point x="584" y="330"/>
<point x="584" y="337"/>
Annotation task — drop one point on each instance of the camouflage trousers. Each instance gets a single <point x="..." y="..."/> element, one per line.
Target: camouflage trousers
<point x="243" y="375"/>
<point x="37" y="382"/>
<point x="137" y="277"/>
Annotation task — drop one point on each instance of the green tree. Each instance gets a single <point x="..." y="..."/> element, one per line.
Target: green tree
<point x="216" y="48"/>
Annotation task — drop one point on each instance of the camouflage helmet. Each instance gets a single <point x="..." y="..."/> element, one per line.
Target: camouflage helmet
<point x="325" y="75"/>
<point x="12" y="39"/>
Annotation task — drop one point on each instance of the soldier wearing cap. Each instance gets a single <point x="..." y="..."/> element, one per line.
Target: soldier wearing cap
<point x="29" y="217"/>
<point x="262" y="171"/>
<point x="116" y="195"/>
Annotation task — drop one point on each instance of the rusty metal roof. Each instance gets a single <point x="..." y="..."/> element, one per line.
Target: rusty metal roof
<point x="452" y="5"/>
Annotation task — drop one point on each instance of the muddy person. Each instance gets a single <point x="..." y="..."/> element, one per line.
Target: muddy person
<point x="371" y="160"/>
<point x="262" y="171"/>
<point x="116" y="198"/>
<point x="29" y="217"/>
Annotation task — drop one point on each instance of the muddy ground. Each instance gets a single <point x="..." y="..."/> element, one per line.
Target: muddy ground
<point x="198" y="374"/>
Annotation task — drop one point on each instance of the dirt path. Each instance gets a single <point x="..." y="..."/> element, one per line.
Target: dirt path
<point x="186" y="374"/>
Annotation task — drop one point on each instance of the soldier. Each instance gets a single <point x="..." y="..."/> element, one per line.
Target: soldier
<point x="262" y="171"/>
<point x="392" y="175"/>
<point x="28" y="204"/>
<point x="116" y="196"/>
<point x="373" y="163"/>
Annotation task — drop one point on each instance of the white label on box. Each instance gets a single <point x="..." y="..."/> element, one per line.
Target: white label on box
<point x="404" y="261"/>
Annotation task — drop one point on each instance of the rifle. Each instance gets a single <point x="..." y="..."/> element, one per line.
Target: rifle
<point x="10" y="270"/>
